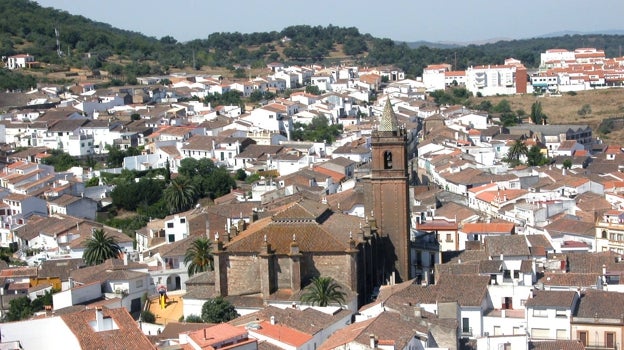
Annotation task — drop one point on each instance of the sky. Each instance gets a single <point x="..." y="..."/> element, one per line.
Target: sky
<point x="401" y="20"/>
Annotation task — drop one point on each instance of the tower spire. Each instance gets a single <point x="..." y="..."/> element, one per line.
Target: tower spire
<point x="388" y="120"/>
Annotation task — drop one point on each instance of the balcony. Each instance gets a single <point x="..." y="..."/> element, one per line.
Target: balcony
<point x="466" y="332"/>
<point x="600" y="346"/>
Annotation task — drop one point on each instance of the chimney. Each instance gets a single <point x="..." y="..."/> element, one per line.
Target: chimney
<point x="372" y="341"/>
<point x="99" y="318"/>
<point x="273" y="322"/>
<point x="418" y="312"/>
<point x="604" y="270"/>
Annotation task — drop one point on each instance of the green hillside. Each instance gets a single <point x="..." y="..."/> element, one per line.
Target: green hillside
<point x="26" y="27"/>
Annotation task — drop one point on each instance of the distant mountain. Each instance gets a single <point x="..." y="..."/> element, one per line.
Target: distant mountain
<point x="437" y="45"/>
<point x="59" y="41"/>
<point x="576" y="32"/>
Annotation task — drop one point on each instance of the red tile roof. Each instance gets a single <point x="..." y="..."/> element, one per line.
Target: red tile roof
<point x="283" y="333"/>
<point x="485" y="228"/>
<point x="127" y="335"/>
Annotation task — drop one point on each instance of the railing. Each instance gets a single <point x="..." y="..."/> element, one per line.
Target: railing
<point x="466" y="332"/>
<point x="601" y="346"/>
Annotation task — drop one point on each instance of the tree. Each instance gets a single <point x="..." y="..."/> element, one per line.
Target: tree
<point x="241" y="175"/>
<point x="130" y="194"/>
<point x="22" y="308"/>
<point x="567" y="164"/>
<point x="100" y="247"/>
<point x="323" y="291"/>
<point x="148" y="316"/>
<point x="502" y="107"/>
<point x="180" y="194"/>
<point x="19" y="309"/>
<point x="516" y="150"/>
<point x="535" y="157"/>
<point x="585" y="110"/>
<point x="198" y="257"/>
<point x="193" y="319"/>
<point x="218" y="310"/>
<point x="537" y="115"/>
<point x="313" y="89"/>
<point x="60" y="160"/>
<point x="318" y="130"/>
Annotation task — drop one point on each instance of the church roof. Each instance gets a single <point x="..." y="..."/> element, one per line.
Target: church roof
<point x="312" y="225"/>
<point x="388" y="120"/>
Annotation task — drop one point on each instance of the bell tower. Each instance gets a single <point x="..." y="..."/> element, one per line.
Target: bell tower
<point x="389" y="181"/>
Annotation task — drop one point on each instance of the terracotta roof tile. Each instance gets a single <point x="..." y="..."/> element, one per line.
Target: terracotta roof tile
<point x="578" y="280"/>
<point x="489" y="227"/>
<point x="545" y="298"/>
<point x="311" y="224"/>
<point x="514" y="245"/>
<point x="556" y="345"/>
<point x="601" y="304"/>
<point x="126" y="336"/>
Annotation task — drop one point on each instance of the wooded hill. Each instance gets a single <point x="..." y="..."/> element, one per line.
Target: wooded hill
<point x="26" y="27"/>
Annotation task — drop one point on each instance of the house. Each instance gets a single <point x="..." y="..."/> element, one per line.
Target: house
<point x="112" y="279"/>
<point x="341" y="165"/>
<point x="79" y="207"/>
<point x="548" y="314"/>
<point x="21" y="61"/>
<point x="221" y="336"/>
<point x="610" y="232"/>
<point x="469" y="292"/>
<point x="66" y="135"/>
<point x="393" y="329"/>
<point x="479" y="230"/>
<point x="355" y="152"/>
<point x="98" y="328"/>
<point x="294" y="326"/>
<point x="167" y="266"/>
<point x="598" y="320"/>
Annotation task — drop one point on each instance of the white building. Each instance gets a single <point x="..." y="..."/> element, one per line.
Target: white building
<point x="20" y="61"/>
<point x="490" y="80"/>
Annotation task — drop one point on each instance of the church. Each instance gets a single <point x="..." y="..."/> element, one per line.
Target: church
<point x="279" y="254"/>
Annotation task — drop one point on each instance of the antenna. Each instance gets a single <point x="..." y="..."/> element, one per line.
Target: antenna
<point x="58" y="43"/>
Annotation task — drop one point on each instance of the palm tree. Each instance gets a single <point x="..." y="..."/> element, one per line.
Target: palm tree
<point x="179" y="195"/>
<point x="198" y="257"/>
<point x="100" y="247"/>
<point x="516" y="150"/>
<point x="323" y="291"/>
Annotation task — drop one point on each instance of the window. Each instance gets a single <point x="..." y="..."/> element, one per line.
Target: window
<point x="171" y="238"/>
<point x="170" y="225"/>
<point x="582" y="336"/>
<point x="139" y="284"/>
<point x="540" y="333"/>
<point x="387" y="160"/>
<point x="182" y="220"/>
<point x="540" y="313"/>
<point x="561" y="313"/>
<point x="610" y="340"/>
<point x="466" y="325"/>
<point x="448" y="237"/>
<point x="562" y="334"/>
